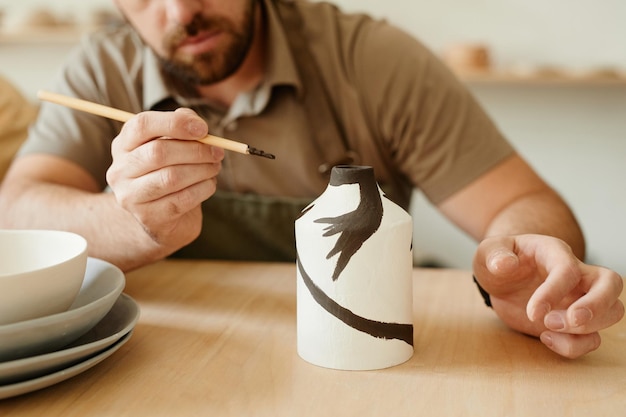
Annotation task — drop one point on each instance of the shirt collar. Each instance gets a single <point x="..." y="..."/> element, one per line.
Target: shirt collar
<point x="155" y="88"/>
<point x="280" y="65"/>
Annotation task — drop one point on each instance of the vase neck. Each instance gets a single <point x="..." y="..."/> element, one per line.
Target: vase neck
<point x="351" y="174"/>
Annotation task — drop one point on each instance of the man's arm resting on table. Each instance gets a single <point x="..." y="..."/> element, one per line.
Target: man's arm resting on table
<point x="42" y="191"/>
<point x="512" y="199"/>
<point x="529" y="259"/>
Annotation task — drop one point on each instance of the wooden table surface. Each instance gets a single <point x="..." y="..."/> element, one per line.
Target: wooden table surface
<point x="219" y="339"/>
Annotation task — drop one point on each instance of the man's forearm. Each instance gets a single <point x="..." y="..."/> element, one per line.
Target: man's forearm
<point x="544" y="213"/>
<point x="113" y="234"/>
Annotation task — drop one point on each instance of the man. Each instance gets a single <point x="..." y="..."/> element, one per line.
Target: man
<point x="316" y="88"/>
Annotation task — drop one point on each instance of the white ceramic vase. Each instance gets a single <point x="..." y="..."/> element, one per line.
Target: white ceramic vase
<point x="354" y="272"/>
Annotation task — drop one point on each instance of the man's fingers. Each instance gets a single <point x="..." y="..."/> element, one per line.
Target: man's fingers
<point x="584" y="300"/>
<point x="570" y="345"/>
<point x="560" y="283"/>
<point x="582" y="320"/>
<point x="149" y="125"/>
<point x="599" y="307"/>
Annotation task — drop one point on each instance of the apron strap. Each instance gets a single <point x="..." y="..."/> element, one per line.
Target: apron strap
<point x="325" y="126"/>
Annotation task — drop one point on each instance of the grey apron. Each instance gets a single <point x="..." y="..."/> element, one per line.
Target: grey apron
<point x="259" y="228"/>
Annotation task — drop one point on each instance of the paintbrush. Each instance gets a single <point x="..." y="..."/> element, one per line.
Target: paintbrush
<point x="124" y="116"/>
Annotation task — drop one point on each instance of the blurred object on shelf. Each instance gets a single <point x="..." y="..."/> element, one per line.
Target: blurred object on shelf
<point x="105" y="18"/>
<point x="467" y="57"/>
<point x="554" y="72"/>
<point x="42" y="18"/>
<point x="608" y="73"/>
<point x="48" y="26"/>
<point x="538" y="71"/>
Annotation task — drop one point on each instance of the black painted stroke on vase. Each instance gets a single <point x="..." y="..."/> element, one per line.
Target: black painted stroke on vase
<point x="356" y="226"/>
<point x="379" y="329"/>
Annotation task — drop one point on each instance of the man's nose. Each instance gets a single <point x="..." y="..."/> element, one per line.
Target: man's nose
<point x="182" y="12"/>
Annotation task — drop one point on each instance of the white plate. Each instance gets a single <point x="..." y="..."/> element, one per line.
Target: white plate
<point x="102" y="285"/>
<point x="7" y="391"/>
<point x="119" y="321"/>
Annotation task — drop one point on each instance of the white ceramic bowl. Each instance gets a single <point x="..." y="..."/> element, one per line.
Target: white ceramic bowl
<point x="41" y="272"/>
<point x="102" y="285"/>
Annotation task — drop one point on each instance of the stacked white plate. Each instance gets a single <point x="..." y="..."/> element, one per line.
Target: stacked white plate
<point x="37" y="353"/>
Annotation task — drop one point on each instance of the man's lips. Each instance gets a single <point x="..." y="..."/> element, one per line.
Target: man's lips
<point x="202" y="42"/>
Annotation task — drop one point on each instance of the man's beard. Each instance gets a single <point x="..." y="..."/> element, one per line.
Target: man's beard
<point x="214" y="66"/>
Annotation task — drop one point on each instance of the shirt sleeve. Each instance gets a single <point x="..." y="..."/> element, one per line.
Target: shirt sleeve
<point x="438" y="135"/>
<point x="94" y="72"/>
